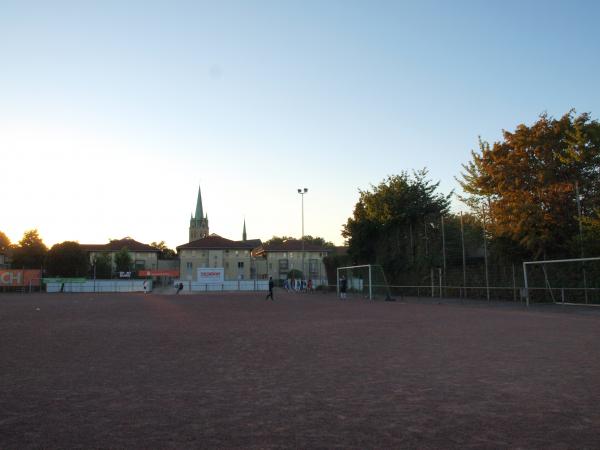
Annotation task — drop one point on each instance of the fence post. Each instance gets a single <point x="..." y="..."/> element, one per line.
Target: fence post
<point x="432" y="283"/>
<point x="462" y="238"/>
<point x="514" y="283"/>
<point x="444" y="254"/>
<point x="526" y="286"/>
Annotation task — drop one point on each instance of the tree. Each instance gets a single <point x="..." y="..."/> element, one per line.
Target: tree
<point x="526" y="184"/>
<point x="4" y="242"/>
<point x="393" y="224"/>
<point x="318" y="241"/>
<point x="103" y="265"/>
<point x="30" y="252"/>
<point x="332" y="262"/>
<point x="67" y="259"/>
<point x="278" y="240"/>
<point x="308" y="239"/>
<point x="123" y="260"/>
<point x="165" y="252"/>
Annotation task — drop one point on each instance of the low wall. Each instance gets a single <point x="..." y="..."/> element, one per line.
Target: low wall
<point x="241" y="285"/>
<point x="100" y="286"/>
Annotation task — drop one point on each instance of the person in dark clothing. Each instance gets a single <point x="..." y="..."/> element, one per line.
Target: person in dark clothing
<point x="179" y="288"/>
<point x="270" y="294"/>
<point x="343" y="287"/>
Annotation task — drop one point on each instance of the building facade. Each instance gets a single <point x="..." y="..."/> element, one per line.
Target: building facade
<point x="214" y="251"/>
<point x="278" y="259"/>
<point x="247" y="259"/>
<point x="143" y="256"/>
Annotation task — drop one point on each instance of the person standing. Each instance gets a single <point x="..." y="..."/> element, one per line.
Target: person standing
<point x="270" y="294"/>
<point x="343" y="287"/>
<point x="145" y="286"/>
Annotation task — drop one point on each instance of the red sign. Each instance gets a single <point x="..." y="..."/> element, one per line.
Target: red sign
<point x="20" y="277"/>
<point x="158" y="273"/>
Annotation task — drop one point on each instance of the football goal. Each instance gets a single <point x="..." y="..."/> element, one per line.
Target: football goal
<point x="366" y="281"/>
<point x="565" y="281"/>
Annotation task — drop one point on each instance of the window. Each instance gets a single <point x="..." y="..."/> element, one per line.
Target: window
<point x="193" y="252"/>
<point x="237" y="253"/>
<point x="140" y="264"/>
<point x="270" y="266"/>
<point x="313" y="267"/>
<point x="283" y="266"/>
<point x="291" y="254"/>
<point x="227" y="265"/>
<point x="188" y="265"/>
<point x="240" y="264"/>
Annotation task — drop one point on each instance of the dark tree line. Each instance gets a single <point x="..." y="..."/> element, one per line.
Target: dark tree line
<point x="529" y="191"/>
<point x="69" y="259"/>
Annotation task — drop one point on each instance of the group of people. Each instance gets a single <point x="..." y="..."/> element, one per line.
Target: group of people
<point x="298" y="285"/>
<point x="291" y="285"/>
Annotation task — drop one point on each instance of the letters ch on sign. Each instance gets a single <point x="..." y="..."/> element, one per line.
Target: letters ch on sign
<point x="11" y="278"/>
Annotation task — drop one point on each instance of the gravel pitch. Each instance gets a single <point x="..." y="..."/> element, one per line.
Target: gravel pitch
<point x="232" y="370"/>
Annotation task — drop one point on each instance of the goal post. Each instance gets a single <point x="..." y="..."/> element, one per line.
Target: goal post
<point x="565" y="281"/>
<point x="366" y="280"/>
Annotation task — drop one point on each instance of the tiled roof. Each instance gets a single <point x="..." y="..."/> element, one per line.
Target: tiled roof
<point x="114" y="246"/>
<point x="216" y="242"/>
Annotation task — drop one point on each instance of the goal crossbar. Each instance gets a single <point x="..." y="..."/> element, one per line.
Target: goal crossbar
<point x="549" y="261"/>
<point x="370" y="279"/>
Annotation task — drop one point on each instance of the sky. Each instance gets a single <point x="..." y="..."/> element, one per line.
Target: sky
<point x="112" y="113"/>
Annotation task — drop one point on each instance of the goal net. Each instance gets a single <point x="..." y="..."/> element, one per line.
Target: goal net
<point x="367" y="281"/>
<point x="568" y="281"/>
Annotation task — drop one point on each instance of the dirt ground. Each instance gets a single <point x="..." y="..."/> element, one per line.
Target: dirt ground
<point x="305" y="371"/>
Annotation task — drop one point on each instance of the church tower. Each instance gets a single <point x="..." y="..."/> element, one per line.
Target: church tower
<point x="198" y="223"/>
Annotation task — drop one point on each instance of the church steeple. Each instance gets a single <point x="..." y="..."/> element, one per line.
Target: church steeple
<point x="198" y="223"/>
<point x="199" y="213"/>
<point x="244" y="232"/>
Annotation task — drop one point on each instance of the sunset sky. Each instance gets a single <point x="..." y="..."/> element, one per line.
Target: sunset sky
<point x="112" y="113"/>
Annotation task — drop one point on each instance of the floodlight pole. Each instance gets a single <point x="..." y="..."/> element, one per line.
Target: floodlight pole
<point x="302" y="192"/>
<point x="485" y="255"/>
<point x="462" y="238"/>
<point x="581" y="240"/>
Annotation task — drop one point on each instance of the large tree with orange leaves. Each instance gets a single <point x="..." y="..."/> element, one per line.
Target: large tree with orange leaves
<point x="526" y="184"/>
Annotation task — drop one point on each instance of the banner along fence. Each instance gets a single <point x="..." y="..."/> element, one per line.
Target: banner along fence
<point x="235" y="285"/>
<point x="99" y="286"/>
<point x="19" y="280"/>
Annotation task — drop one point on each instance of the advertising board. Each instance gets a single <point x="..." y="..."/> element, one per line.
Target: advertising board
<point x="211" y="275"/>
<point x="20" y="277"/>
<point x="158" y="273"/>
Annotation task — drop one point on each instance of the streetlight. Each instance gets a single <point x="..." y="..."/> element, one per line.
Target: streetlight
<point x="302" y="192"/>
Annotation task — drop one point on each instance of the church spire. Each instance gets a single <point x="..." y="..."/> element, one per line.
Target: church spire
<point x="199" y="212"/>
<point x="244" y="232"/>
<point x="198" y="223"/>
